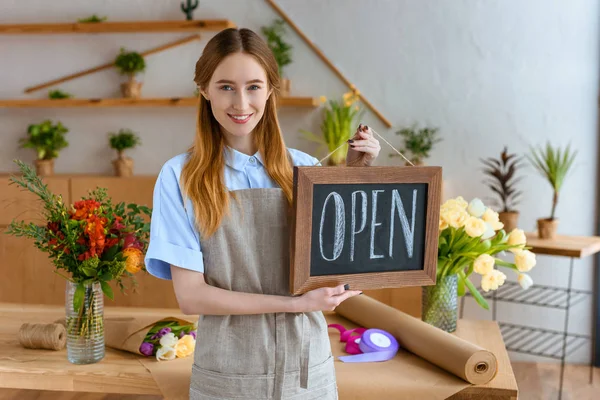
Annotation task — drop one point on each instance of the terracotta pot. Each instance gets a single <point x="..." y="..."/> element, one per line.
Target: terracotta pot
<point x="44" y="167"/>
<point x="510" y="219"/>
<point x="547" y="228"/>
<point x="131" y="89"/>
<point x="285" y="87"/>
<point x="123" y="167"/>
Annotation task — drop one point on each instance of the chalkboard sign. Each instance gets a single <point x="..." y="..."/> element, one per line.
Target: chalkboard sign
<point x="369" y="227"/>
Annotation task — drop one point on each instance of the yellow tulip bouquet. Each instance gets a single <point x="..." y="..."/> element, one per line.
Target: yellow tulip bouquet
<point x="470" y="238"/>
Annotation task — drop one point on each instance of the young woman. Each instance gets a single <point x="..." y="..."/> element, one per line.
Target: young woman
<point x="220" y="232"/>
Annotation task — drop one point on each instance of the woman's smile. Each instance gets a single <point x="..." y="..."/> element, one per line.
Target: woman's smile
<point x="240" y="118"/>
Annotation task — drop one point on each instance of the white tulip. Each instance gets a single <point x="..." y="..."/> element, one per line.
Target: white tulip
<point x="476" y="208"/>
<point x="165" y="353"/>
<point x="525" y="281"/>
<point x="169" y="340"/>
<point x="484" y="264"/>
<point x="525" y="260"/>
<point x="493" y="280"/>
<point x="489" y="232"/>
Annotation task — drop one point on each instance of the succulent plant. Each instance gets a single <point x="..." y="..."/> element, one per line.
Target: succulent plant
<point x="59" y="94"/>
<point x="501" y="173"/>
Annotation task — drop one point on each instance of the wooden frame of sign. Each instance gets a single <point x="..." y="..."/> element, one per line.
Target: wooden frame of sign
<point x="335" y="245"/>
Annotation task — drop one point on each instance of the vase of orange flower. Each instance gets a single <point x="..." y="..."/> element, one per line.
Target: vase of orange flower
<point x="91" y="243"/>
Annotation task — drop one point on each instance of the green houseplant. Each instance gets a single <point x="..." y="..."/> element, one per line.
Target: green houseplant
<point x="121" y="141"/>
<point x="501" y="174"/>
<point x="281" y="50"/>
<point x="92" y="19"/>
<point x="58" y="94"/>
<point x="553" y="164"/>
<point x="130" y="64"/>
<point x="419" y="142"/>
<point x="339" y="124"/>
<point x="47" y="139"/>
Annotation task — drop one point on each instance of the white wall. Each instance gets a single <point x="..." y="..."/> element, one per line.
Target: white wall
<point x="488" y="73"/>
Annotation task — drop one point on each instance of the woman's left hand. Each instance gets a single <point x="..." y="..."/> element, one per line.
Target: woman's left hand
<point x="363" y="148"/>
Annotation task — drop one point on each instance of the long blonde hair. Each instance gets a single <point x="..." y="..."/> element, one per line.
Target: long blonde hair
<point x="202" y="176"/>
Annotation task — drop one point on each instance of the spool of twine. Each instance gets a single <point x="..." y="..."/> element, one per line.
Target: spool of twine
<point x="43" y="336"/>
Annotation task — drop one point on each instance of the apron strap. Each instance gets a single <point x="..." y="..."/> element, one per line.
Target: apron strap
<point x="280" y="354"/>
<point x="304" y="351"/>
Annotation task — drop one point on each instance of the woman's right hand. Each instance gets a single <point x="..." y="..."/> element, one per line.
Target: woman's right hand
<point x="324" y="299"/>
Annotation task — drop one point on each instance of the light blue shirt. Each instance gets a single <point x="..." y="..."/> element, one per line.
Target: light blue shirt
<point x="174" y="238"/>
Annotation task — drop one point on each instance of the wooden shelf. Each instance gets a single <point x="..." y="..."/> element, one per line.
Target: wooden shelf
<point x="142" y="102"/>
<point x="119" y="27"/>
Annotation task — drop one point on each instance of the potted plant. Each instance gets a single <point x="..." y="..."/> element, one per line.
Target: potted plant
<point x="418" y="142"/>
<point x="470" y="237"/>
<point x="47" y="139"/>
<point x="92" y="19"/>
<point x="91" y="243"/>
<point x="188" y="8"/>
<point x="125" y="139"/>
<point x="553" y="164"/>
<point x="281" y="50"/>
<point x="501" y="172"/>
<point x="130" y="64"/>
<point x="58" y="94"/>
<point x="339" y="124"/>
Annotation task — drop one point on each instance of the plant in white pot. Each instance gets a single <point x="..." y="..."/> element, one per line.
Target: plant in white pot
<point x="130" y="64"/>
<point x="502" y="180"/>
<point x="553" y="164"/>
<point x="125" y="139"/>
<point x="47" y="139"/>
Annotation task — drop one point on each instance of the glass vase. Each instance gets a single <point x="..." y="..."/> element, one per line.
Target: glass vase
<point x="85" y="327"/>
<point x="440" y="303"/>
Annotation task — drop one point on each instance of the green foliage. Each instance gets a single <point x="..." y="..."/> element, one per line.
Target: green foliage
<point x="189" y="8"/>
<point x="553" y="164"/>
<point x="419" y="142"/>
<point x="130" y="63"/>
<point x="125" y="139"/>
<point x="46" y="139"/>
<point x="59" y="94"/>
<point x="502" y="181"/>
<point x="281" y="50"/>
<point x="93" y="19"/>
<point x="339" y="124"/>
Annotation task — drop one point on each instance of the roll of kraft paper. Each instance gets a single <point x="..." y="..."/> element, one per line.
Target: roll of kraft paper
<point x="459" y="357"/>
<point x="376" y="345"/>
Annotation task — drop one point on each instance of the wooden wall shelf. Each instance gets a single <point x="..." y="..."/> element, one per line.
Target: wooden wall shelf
<point x="119" y="27"/>
<point x="310" y="102"/>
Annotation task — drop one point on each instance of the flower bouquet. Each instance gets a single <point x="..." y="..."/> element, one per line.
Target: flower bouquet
<point x="470" y="239"/>
<point x="91" y="243"/>
<point x="165" y="339"/>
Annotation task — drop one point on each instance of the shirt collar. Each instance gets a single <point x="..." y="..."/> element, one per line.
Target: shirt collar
<point x="238" y="160"/>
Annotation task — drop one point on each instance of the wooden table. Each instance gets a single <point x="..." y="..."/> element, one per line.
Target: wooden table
<point x="121" y="372"/>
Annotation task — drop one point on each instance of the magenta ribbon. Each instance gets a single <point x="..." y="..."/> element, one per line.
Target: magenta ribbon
<point x="372" y="345"/>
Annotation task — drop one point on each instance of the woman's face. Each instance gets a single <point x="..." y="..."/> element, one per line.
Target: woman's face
<point x="238" y="93"/>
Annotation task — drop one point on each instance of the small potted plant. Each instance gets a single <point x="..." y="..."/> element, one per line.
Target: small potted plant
<point x="281" y="50"/>
<point x="339" y="124"/>
<point x="58" y="94"/>
<point x="125" y="139"/>
<point x="47" y="139"/>
<point x="130" y="64"/>
<point x="188" y="8"/>
<point x="418" y="142"/>
<point x="553" y="164"/>
<point x="501" y="172"/>
<point x="94" y="19"/>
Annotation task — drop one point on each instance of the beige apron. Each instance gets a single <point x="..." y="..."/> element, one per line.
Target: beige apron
<point x="264" y="356"/>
